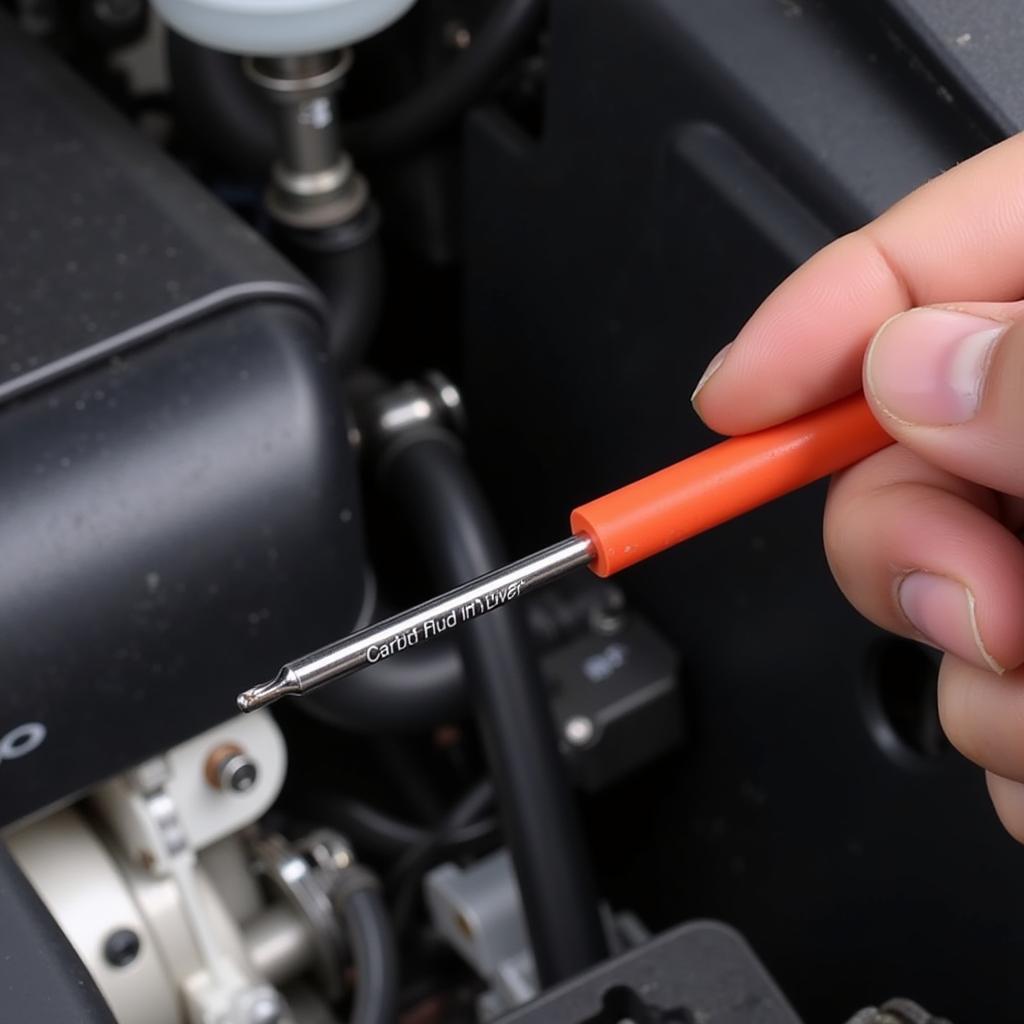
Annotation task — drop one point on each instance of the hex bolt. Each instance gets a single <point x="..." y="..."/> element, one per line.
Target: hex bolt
<point x="230" y="769"/>
<point x="121" y="947"/>
<point x="578" y="731"/>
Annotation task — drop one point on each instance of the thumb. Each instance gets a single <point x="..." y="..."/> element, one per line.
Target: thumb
<point x="949" y="384"/>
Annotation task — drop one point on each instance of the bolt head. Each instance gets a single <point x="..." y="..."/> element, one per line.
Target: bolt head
<point x="230" y="769"/>
<point x="121" y="947"/>
<point x="239" y="774"/>
<point x="579" y="731"/>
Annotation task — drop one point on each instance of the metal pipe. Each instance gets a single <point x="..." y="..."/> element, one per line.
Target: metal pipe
<point x="279" y="945"/>
<point x="313" y="181"/>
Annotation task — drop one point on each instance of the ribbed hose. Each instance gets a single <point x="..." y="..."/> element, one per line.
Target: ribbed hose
<point x="374" y="955"/>
<point x="458" y="537"/>
<point x="232" y="122"/>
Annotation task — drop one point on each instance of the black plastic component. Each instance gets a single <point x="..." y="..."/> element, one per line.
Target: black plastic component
<point x="108" y="244"/>
<point x="701" y="973"/>
<point x="691" y="154"/>
<point x="616" y="700"/>
<point x="42" y="979"/>
<point x="175" y="522"/>
<point x="974" y="46"/>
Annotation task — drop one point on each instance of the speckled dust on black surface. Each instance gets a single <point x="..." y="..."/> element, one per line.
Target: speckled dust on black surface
<point x="179" y="521"/>
<point x="978" y="44"/>
<point x="101" y="232"/>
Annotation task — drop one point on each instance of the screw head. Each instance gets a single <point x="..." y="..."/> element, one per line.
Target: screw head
<point x="238" y="774"/>
<point x="121" y="947"/>
<point x="579" y="731"/>
<point x="230" y="769"/>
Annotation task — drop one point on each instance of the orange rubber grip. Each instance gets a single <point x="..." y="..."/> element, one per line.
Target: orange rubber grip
<point x="731" y="478"/>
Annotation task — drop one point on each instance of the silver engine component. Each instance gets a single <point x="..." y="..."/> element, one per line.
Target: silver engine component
<point x="156" y="880"/>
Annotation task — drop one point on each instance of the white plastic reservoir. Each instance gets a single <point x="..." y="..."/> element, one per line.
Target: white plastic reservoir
<point x="277" y="28"/>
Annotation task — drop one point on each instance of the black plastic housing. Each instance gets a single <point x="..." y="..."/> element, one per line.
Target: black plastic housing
<point x="700" y="972"/>
<point x="179" y="511"/>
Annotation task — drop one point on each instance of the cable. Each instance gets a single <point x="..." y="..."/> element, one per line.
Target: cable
<point x="374" y="950"/>
<point x="232" y="123"/>
<point x="424" y="471"/>
<point x="406" y="875"/>
<point x="375" y="832"/>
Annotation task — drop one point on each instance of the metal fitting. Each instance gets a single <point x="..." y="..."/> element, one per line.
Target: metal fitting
<point x="314" y="183"/>
<point x="383" y="415"/>
<point x="305" y="874"/>
<point x="230" y="769"/>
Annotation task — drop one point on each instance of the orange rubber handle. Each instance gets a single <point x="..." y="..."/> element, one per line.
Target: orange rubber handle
<point x="731" y="478"/>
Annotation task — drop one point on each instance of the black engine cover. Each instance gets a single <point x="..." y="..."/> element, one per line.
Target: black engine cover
<point x="179" y="510"/>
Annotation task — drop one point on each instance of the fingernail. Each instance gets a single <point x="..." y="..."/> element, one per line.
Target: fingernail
<point x="942" y="611"/>
<point x="713" y="367"/>
<point x="928" y="366"/>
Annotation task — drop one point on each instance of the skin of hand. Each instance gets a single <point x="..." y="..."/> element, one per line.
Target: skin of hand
<point x="922" y="308"/>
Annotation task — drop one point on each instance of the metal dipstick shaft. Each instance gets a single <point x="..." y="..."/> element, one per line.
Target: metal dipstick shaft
<point x="422" y="623"/>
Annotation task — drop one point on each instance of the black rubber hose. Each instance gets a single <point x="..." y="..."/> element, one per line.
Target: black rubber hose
<point x="374" y="955"/>
<point x="438" y="103"/>
<point x="377" y="833"/>
<point x="415" y="691"/>
<point x="346" y="263"/>
<point x="231" y="121"/>
<point x="457" y="534"/>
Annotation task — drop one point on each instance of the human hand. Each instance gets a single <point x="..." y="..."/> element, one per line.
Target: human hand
<point x="922" y="537"/>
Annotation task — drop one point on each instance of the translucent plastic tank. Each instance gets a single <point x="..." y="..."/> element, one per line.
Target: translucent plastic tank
<point x="270" y="28"/>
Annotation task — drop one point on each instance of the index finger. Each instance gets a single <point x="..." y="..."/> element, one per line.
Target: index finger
<point x="958" y="238"/>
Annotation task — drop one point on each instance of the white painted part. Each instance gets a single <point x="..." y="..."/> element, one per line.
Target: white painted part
<point x="210" y="814"/>
<point x="206" y="814"/>
<point x="228" y="866"/>
<point x="84" y="890"/>
<point x="213" y="974"/>
<point x="277" y="28"/>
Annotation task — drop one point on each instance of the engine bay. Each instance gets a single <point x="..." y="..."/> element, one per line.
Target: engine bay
<point x="315" y="310"/>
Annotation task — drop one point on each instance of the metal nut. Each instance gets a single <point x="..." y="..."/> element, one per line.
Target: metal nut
<point x="230" y="769"/>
